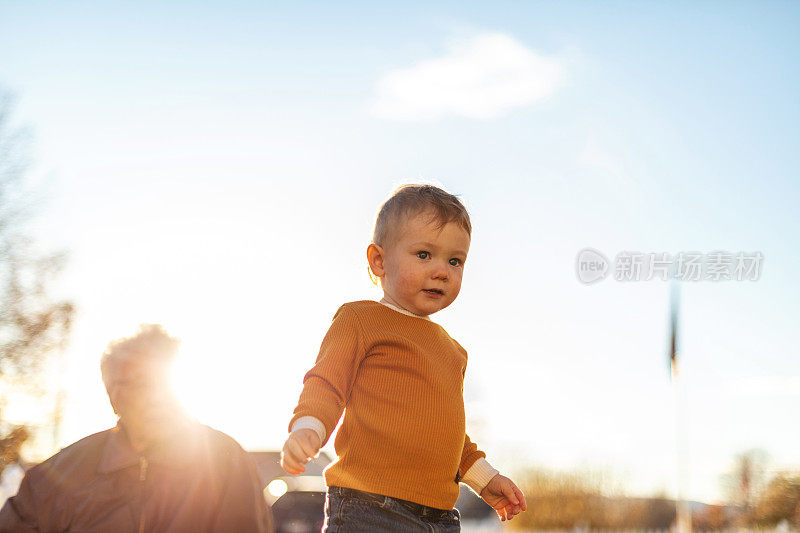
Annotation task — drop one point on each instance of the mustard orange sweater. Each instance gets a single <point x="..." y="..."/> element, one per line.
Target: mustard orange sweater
<point x="400" y="381"/>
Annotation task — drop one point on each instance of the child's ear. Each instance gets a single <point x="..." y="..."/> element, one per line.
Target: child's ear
<point x="375" y="257"/>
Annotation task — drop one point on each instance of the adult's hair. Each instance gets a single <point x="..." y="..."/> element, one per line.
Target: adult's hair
<point x="151" y="341"/>
<point x="409" y="200"/>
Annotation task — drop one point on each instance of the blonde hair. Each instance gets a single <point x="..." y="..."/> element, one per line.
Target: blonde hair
<point x="409" y="200"/>
<point x="151" y="341"/>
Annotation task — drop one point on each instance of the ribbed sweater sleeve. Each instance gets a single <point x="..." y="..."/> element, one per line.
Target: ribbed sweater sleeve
<point x="469" y="455"/>
<point x="327" y="386"/>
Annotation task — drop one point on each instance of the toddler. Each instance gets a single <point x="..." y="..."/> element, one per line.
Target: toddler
<point x="399" y="378"/>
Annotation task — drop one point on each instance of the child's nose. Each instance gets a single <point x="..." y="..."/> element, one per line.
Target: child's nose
<point x="440" y="271"/>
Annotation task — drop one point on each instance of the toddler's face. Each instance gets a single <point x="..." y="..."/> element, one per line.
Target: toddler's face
<point x="424" y="266"/>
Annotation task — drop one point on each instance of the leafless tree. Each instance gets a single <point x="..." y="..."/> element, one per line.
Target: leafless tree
<point x="33" y="325"/>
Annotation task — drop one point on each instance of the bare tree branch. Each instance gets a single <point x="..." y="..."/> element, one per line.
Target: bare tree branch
<point x="33" y="325"/>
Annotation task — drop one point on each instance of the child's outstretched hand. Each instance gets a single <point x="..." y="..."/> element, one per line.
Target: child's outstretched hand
<point x="504" y="497"/>
<point x="301" y="446"/>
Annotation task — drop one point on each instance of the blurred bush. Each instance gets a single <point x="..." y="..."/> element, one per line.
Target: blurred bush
<point x="567" y="500"/>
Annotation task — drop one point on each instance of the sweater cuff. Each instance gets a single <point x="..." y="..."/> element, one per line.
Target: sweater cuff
<point x="310" y="422"/>
<point x="479" y="475"/>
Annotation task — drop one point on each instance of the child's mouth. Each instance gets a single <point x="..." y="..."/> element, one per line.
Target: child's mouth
<point x="433" y="292"/>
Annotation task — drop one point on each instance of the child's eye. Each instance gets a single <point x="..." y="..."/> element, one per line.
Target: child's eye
<point x="456" y="262"/>
<point x="423" y="255"/>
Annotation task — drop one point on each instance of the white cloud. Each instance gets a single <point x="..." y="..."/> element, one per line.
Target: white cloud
<point x="484" y="77"/>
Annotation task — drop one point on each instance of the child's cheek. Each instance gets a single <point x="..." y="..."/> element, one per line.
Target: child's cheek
<point x="406" y="283"/>
<point x="405" y="277"/>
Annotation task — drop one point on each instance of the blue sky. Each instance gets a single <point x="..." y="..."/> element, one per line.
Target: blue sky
<point x="217" y="168"/>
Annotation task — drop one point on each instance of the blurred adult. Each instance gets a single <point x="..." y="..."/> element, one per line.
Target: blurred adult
<point x="157" y="470"/>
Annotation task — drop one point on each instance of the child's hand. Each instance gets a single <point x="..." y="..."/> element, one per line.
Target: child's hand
<point x="301" y="446"/>
<point x="504" y="497"/>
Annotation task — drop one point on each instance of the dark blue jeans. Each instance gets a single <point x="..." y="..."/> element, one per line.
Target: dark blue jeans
<point x="354" y="511"/>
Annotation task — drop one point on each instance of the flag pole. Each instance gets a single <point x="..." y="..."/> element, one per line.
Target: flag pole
<point x="683" y="515"/>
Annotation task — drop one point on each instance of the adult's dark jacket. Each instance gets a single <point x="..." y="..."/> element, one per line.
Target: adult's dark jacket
<point x="201" y="481"/>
